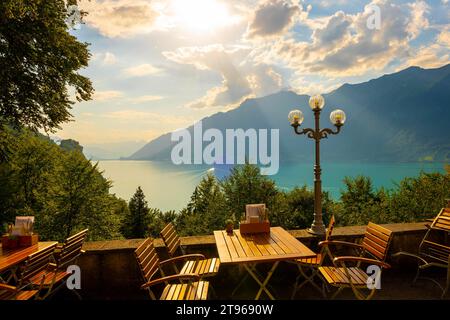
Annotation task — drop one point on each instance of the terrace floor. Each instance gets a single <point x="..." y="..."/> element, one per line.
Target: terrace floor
<point x="396" y="285"/>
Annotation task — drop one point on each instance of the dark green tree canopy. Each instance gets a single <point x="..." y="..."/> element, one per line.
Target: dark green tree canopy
<point x="39" y="63"/>
<point x="136" y="223"/>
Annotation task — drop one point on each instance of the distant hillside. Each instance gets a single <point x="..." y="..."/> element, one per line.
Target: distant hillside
<point x="398" y="117"/>
<point x="115" y="150"/>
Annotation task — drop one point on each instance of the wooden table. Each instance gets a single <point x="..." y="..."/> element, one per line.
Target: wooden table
<point x="9" y="259"/>
<point x="250" y="250"/>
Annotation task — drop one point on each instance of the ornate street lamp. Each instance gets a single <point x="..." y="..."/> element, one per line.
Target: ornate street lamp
<point x="337" y="117"/>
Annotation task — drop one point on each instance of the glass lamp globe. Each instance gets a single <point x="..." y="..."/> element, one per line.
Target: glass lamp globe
<point x="296" y="117"/>
<point x="316" y="102"/>
<point x="337" y="117"/>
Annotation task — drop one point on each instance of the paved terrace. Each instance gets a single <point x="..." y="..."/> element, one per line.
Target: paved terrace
<point x="109" y="269"/>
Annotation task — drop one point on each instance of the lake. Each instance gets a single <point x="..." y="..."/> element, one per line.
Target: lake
<point x="170" y="187"/>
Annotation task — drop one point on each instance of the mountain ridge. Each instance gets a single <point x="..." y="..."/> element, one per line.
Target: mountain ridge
<point x="400" y="116"/>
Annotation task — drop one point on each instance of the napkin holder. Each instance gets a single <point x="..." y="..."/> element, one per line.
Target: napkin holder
<point x="28" y="240"/>
<point x="256" y="220"/>
<point x="15" y="242"/>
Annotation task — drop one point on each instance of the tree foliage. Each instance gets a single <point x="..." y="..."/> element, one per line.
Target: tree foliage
<point x="138" y="219"/>
<point x="39" y="62"/>
<point x="64" y="190"/>
<point x="246" y="185"/>
<point x="413" y="199"/>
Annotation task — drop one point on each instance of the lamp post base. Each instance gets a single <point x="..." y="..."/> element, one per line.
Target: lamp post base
<point x="318" y="230"/>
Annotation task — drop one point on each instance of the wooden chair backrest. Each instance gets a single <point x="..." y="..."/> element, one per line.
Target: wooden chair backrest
<point x="330" y="228"/>
<point x="71" y="249"/>
<point x="431" y="247"/>
<point x="147" y="259"/>
<point x="377" y="240"/>
<point x="35" y="264"/>
<point x="442" y="220"/>
<point x="170" y="238"/>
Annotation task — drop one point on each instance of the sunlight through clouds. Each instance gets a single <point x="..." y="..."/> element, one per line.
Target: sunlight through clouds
<point x="194" y="58"/>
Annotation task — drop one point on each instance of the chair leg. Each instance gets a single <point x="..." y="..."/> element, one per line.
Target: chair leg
<point x="310" y="279"/>
<point x="240" y="284"/>
<point x="213" y="292"/>
<point x="417" y="275"/>
<point x="337" y="292"/>
<point x="295" y="286"/>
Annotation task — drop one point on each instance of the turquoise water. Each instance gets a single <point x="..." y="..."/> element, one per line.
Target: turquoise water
<point x="169" y="187"/>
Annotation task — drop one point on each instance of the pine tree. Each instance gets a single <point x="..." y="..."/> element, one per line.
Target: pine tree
<point x="137" y="222"/>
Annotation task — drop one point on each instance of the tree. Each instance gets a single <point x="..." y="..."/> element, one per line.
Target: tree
<point x="136" y="224"/>
<point x="70" y="145"/>
<point x="206" y="211"/>
<point x="419" y="198"/>
<point x="39" y="63"/>
<point x="360" y="203"/>
<point x="246" y="185"/>
<point x="64" y="190"/>
<point x="39" y="60"/>
<point x="294" y="209"/>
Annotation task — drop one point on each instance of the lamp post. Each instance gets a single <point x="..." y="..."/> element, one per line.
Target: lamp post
<point x="337" y="118"/>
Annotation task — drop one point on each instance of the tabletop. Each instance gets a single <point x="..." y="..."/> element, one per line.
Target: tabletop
<point x="262" y="247"/>
<point x="10" y="258"/>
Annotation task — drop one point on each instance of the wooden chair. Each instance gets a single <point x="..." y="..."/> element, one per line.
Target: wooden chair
<point x="150" y="265"/>
<point x="203" y="267"/>
<point x="66" y="254"/>
<point x="311" y="265"/>
<point x="32" y="268"/>
<point x="373" y="251"/>
<point x="434" y="250"/>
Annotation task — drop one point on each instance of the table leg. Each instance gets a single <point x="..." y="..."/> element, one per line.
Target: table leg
<point x="263" y="285"/>
<point x="9" y="275"/>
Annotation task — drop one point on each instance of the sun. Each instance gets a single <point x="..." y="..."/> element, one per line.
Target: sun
<point x="201" y="15"/>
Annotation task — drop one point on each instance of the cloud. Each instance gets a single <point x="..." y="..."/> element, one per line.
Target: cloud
<point x="147" y="98"/>
<point x="444" y="38"/>
<point x="272" y="18"/>
<point x="109" y="58"/>
<point x="147" y="118"/>
<point x="142" y="70"/>
<point x="428" y="57"/>
<point x="105" y="58"/>
<point x="120" y="18"/>
<point x="434" y="55"/>
<point x="239" y="79"/>
<point x="342" y="44"/>
<point x="107" y="95"/>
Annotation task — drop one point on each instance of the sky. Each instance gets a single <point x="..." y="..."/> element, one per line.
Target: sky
<point x="157" y="66"/>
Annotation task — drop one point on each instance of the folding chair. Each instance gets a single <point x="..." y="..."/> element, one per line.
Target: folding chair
<point x="311" y="265"/>
<point x="203" y="267"/>
<point x="66" y="254"/>
<point x="150" y="265"/>
<point x="373" y="252"/>
<point x="32" y="268"/>
<point x="434" y="250"/>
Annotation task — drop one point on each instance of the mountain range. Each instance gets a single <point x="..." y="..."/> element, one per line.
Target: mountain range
<point x="400" y="117"/>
